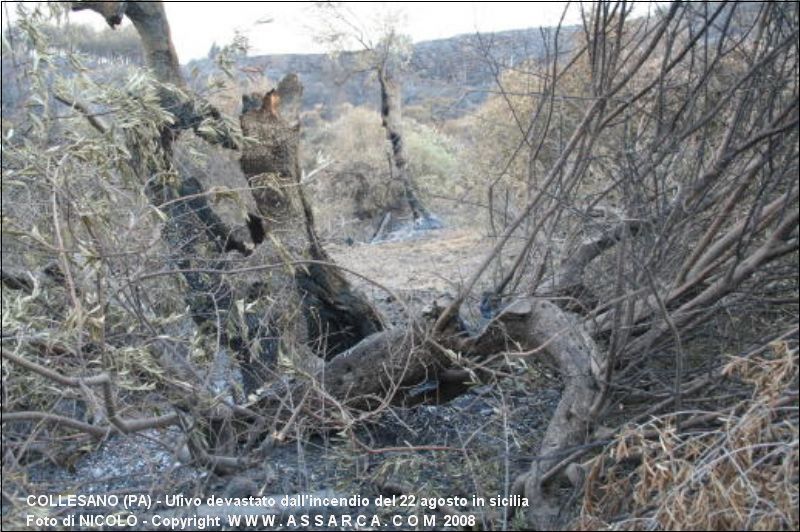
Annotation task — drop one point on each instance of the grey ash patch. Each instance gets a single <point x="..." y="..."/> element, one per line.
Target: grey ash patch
<point x="482" y="418"/>
<point x="137" y="462"/>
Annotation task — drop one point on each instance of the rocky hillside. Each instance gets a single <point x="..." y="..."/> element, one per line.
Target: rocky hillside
<point x="447" y="77"/>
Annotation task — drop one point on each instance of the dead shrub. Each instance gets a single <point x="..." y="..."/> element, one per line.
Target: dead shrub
<point x="737" y="471"/>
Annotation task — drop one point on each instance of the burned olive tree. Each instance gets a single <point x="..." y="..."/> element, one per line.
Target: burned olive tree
<point x="336" y="316"/>
<point x="388" y="65"/>
<point x="386" y="53"/>
<point x="197" y="238"/>
<point x="683" y="115"/>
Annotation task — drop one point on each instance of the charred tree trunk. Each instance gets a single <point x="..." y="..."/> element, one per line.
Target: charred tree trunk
<point x="335" y="316"/>
<point x="384" y="365"/>
<point x="391" y="120"/>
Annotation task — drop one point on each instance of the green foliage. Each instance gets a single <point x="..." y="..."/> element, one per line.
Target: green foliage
<point x="77" y="222"/>
<point x="355" y="143"/>
<point x="356" y="136"/>
<point x="433" y="159"/>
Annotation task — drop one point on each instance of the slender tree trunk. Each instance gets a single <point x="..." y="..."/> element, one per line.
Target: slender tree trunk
<point x="392" y="124"/>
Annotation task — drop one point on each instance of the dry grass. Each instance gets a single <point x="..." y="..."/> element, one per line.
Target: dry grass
<point x="738" y="470"/>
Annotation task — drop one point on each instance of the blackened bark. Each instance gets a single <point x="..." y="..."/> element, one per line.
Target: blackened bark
<point x="336" y="316"/>
<point x="391" y="120"/>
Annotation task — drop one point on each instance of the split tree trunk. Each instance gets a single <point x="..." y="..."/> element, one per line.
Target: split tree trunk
<point x="335" y="316"/>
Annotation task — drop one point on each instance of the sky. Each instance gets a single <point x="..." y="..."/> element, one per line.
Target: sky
<point x="288" y="27"/>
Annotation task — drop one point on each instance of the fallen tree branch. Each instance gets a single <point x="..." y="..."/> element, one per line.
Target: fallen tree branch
<point x="93" y="430"/>
<point x="118" y="424"/>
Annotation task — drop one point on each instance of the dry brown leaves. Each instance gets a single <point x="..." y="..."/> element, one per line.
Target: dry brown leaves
<point x="737" y="472"/>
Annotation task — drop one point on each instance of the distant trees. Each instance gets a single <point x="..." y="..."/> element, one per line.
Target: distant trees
<point x="112" y="45"/>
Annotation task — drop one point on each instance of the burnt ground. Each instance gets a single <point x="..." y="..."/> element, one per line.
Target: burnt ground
<point x="475" y="444"/>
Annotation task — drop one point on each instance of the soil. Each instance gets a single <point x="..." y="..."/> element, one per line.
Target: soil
<point x="425" y="260"/>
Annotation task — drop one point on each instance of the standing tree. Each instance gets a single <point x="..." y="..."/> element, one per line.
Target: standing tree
<point x="385" y="52"/>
